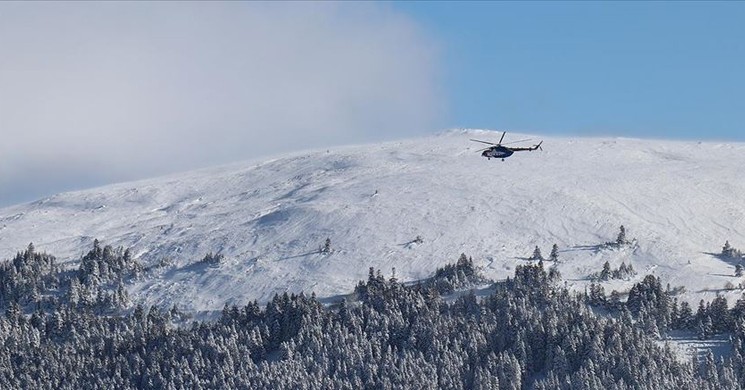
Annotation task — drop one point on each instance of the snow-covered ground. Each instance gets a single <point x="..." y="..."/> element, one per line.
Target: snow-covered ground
<point x="680" y="200"/>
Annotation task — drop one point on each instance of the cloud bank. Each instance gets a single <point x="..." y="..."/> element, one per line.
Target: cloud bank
<point x="100" y="92"/>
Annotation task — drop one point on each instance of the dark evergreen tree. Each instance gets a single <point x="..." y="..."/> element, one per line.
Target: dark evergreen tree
<point x="729" y="252"/>
<point x="212" y="259"/>
<point x="597" y="295"/>
<point x="606" y="272"/>
<point x="719" y="313"/>
<point x="326" y="248"/>
<point x="622" y="272"/>
<point x="536" y="254"/>
<point x="554" y="256"/>
<point x="727" y="249"/>
<point x="621" y="239"/>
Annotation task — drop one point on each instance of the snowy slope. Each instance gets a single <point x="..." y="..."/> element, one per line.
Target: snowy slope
<point x="678" y="199"/>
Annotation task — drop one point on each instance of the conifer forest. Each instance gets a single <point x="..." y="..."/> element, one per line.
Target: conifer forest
<point x="72" y="329"/>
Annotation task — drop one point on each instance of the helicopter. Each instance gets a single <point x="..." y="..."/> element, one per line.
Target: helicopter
<point x="498" y="150"/>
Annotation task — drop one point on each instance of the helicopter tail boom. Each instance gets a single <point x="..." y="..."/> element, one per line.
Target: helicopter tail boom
<point x="531" y="148"/>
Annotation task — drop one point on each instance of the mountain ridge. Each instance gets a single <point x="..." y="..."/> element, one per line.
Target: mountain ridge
<point x="679" y="199"/>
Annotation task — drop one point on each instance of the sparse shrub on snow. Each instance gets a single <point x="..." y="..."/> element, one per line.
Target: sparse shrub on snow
<point x="212" y="258"/>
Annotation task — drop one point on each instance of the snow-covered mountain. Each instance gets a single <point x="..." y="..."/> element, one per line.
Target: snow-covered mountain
<point x="679" y="200"/>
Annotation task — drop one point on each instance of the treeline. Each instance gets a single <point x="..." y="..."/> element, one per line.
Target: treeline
<point x="447" y="279"/>
<point x="656" y="310"/>
<point x="527" y="334"/>
<point x="34" y="281"/>
<point x="27" y="276"/>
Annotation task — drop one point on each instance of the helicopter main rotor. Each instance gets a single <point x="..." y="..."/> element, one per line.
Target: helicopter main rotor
<point x="499" y="146"/>
<point x="492" y="143"/>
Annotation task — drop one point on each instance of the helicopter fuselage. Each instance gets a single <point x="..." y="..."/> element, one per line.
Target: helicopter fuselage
<point x="497" y="152"/>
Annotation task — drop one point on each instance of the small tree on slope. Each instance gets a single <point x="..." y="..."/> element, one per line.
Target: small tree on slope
<point x="621" y="239"/>
<point x="554" y="256"/>
<point x="536" y="254"/>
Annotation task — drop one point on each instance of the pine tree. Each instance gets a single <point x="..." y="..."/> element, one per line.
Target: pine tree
<point x="720" y="314"/>
<point x="701" y="330"/>
<point x="709" y="368"/>
<point x="536" y="254"/>
<point x="727" y="249"/>
<point x="74" y="293"/>
<point x="393" y="281"/>
<point x="554" y="256"/>
<point x="729" y="252"/>
<point x="675" y="315"/>
<point x="326" y="249"/>
<point x="553" y="274"/>
<point x="122" y="297"/>
<point x="738" y="270"/>
<point x="621" y="239"/>
<point x="614" y="300"/>
<point x="606" y="272"/>
<point x="597" y="295"/>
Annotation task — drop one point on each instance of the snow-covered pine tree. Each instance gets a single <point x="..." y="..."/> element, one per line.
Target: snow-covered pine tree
<point x="685" y="315"/>
<point x="393" y="280"/>
<point x="326" y="248"/>
<point x="730" y="252"/>
<point x="614" y="300"/>
<point x="554" y="256"/>
<point x="606" y="272"/>
<point x="621" y="239"/>
<point x="726" y="249"/>
<point x="536" y="254"/>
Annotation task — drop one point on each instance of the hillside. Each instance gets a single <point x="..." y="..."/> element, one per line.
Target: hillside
<point x="679" y="200"/>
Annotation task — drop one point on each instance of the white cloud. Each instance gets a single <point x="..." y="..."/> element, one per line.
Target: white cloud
<point x="96" y="92"/>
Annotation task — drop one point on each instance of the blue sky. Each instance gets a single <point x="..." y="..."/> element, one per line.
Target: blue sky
<point x="642" y="69"/>
<point x="100" y="92"/>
